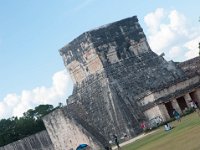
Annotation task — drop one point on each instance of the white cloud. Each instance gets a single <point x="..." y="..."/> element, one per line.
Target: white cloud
<point x="174" y="51"/>
<point x="15" y="105"/>
<point x="193" y="48"/>
<point x="154" y="19"/>
<point x="169" y="32"/>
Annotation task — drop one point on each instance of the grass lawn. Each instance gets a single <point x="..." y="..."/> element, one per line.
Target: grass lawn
<point x="184" y="136"/>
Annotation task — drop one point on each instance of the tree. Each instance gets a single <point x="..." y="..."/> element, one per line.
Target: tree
<point x="13" y="129"/>
<point x="39" y="111"/>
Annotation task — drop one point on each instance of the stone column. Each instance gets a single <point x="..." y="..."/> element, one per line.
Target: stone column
<point x="187" y="98"/>
<point x="197" y="92"/>
<point x="176" y="105"/>
<point x="164" y="112"/>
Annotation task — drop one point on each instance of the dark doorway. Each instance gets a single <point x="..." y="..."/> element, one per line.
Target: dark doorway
<point x="182" y="103"/>
<point x="193" y="96"/>
<point x="169" y="108"/>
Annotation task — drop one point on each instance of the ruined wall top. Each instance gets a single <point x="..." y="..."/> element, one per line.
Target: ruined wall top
<point x="191" y="66"/>
<point x="93" y="50"/>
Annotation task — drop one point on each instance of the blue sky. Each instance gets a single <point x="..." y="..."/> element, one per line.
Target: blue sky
<point x="32" y="32"/>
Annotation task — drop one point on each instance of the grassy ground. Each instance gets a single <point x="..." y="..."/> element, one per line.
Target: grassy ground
<point x="184" y="136"/>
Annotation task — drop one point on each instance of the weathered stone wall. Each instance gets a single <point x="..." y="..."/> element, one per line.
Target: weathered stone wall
<point x="198" y="94"/>
<point x="126" y="71"/>
<point x="38" y="141"/>
<point x="170" y="90"/>
<point x="191" y="66"/>
<point x="81" y="58"/>
<point x="170" y="94"/>
<point x="103" y="107"/>
<point x="94" y="49"/>
<point x="153" y="112"/>
<point x="164" y="112"/>
<point x="66" y="133"/>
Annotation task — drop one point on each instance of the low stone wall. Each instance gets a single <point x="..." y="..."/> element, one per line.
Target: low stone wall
<point x="38" y="141"/>
<point x="66" y="133"/>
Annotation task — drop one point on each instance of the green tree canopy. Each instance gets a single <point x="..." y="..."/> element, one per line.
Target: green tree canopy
<point x="13" y="129"/>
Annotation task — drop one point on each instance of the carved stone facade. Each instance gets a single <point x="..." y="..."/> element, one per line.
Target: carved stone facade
<point x="67" y="133"/>
<point x="118" y="83"/>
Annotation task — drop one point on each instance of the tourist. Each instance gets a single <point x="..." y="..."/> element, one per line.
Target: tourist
<point x="192" y="105"/>
<point x="167" y="127"/>
<point x="176" y="115"/>
<point x="158" y="120"/>
<point x="116" y="141"/>
<point x="143" y="126"/>
<point x="197" y="108"/>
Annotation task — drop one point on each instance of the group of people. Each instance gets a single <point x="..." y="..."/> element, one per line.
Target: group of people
<point x="193" y="104"/>
<point x="176" y="115"/>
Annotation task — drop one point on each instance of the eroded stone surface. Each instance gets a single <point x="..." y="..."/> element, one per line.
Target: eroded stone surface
<point x="38" y="141"/>
<point x="68" y="133"/>
<point x="118" y="82"/>
<point x="112" y="68"/>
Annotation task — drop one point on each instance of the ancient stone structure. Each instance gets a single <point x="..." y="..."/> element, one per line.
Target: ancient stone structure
<point x="178" y="94"/>
<point x="118" y="83"/>
<point x="39" y="141"/>
<point x="67" y="132"/>
<point x="191" y="66"/>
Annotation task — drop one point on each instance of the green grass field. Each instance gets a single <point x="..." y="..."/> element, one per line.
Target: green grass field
<point x="184" y="136"/>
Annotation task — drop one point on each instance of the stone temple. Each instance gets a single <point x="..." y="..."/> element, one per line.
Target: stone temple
<point x="118" y="83"/>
